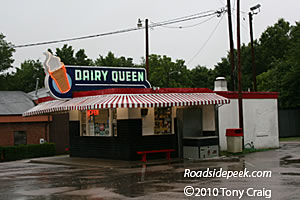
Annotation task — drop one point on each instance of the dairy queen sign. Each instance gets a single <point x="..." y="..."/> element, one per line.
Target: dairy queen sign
<point x="62" y="80"/>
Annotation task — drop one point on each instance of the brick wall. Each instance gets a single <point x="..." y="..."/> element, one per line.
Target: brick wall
<point x="34" y="131"/>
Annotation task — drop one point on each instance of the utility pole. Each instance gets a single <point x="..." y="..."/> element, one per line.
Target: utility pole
<point x="231" y="47"/>
<point x="252" y="52"/>
<point x="147" y="49"/>
<point x="252" y="45"/>
<point x="240" y="98"/>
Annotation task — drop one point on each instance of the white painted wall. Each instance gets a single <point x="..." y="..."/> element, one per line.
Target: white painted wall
<point x="260" y="122"/>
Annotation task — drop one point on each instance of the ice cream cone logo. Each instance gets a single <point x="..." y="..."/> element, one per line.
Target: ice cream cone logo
<point x="57" y="71"/>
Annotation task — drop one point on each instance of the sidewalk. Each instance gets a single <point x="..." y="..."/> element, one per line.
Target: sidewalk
<point x="105" y="163"/>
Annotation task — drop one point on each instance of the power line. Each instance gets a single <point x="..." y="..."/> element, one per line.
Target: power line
<point x="188" y="16"/>
<point x="218" y="13"/>
<point x="188" y="26"/>
<point x="76" y="38"/>
<point x="172" y="21"/>
<point x="202" y="47"/>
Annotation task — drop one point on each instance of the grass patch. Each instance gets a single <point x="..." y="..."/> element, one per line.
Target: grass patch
<point x="289" y="139"/>
<point x="246" y="151"/>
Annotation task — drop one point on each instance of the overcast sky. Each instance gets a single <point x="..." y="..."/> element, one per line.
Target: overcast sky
<point x="33" y="21"/>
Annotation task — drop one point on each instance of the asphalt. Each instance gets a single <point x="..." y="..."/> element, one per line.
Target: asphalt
<point x="86" y="179"/>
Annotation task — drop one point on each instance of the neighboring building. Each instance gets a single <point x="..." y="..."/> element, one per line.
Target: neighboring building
<point x="41" y="93"/>
<point x="260" y="113"/>
<point x="15" y="129"/>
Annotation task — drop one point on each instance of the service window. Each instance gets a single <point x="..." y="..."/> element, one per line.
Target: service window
<point x="163" y="120"/>
<point x="98" y="122"/>
<point x="20" y="137"/>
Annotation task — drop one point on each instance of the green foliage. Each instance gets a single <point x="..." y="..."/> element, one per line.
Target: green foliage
<point x="272" y="81"/>
<point x="6" y="53"/>
<point x="223" y="69"/>
<point x="82" y="59"/>
<point x="1" y="153"/>
<point x="24" y="79"/>
<point x="289" y="139"/>
<point x="284" y="70"/>
<point x="274" y="43"/>
<point x="168" y="74"/>
<point x="277" y="63"/>
<point x="66" y="54"/>
<point x="111" y="61"/>
<point x="27" y="151"/>
<point x="202" y="77"/>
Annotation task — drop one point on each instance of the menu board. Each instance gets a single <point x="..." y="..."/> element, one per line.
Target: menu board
<point x="163" y="120"/>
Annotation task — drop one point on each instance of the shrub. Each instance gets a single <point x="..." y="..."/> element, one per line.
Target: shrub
<point x="1" y="153"/>
<point x="27" y="151"/>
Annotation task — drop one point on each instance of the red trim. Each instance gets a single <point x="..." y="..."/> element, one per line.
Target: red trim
<point x="44" y="99"/>
<point x="249" y="95"/>
<point x="140" y="91"/>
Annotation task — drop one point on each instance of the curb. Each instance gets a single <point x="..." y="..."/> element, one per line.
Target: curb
<point x="138" y="163"/>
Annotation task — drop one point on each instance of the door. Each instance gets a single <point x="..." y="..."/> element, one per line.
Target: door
<point x="59" y="132"/>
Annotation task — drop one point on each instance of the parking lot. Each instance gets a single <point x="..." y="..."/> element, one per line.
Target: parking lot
<point x="25" y="180"/>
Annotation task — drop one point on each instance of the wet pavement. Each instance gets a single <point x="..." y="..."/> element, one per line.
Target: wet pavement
<point x="22" y="180"/>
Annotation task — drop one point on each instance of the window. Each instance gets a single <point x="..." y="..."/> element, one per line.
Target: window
<point x="98" y="122"/>
<point x="163" y="121"/>
<point x="20" y="137"/>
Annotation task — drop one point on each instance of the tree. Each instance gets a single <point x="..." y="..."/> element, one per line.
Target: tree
<point x="291" y="80"/>
<point x="6" y="53"/>
<point x="272" y="81"/>
<point x="223" y="69"/>
<point x="66" y="54"/>
<point x="24" y="79"/>
<point x="111" y="61"/>
<point x="274" y="43"/>
<point x="164" y="72"/>
<point x="284" y="73"/>
<point x="202" y="77"/>
<point x="82" y="59"/>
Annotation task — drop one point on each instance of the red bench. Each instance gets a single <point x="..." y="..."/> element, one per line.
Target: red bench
<point x="144" y="153"/>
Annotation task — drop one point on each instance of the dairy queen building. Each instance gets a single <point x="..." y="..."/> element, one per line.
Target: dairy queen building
<point x="114" y="113"/>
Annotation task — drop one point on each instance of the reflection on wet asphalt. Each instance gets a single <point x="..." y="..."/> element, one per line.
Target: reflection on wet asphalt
<point x="22" y="180"/>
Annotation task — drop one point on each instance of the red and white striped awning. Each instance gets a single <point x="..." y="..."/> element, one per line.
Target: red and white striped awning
<point x="128" y="101"/>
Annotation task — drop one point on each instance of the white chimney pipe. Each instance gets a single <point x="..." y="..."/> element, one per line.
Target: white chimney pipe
<point x="220" y="84"/>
